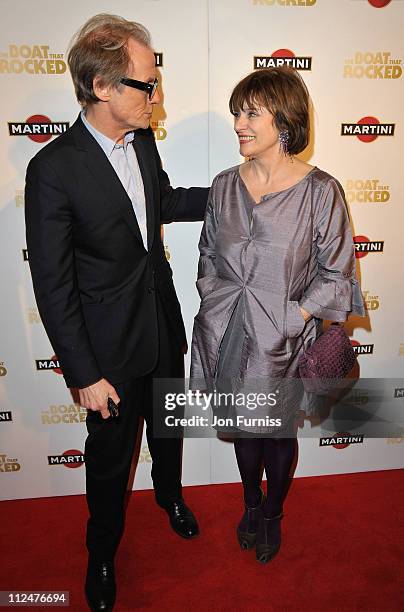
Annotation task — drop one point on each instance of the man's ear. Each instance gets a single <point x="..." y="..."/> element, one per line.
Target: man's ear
<point x="101" y="90"/>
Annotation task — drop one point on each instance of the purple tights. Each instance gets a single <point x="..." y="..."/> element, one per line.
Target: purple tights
<point x="276" y="454"/>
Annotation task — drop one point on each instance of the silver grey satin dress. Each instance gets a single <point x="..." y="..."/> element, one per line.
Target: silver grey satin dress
<point x="258" y="264"/>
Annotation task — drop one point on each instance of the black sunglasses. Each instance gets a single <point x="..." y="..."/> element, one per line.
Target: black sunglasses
<point x="149" y="87"/>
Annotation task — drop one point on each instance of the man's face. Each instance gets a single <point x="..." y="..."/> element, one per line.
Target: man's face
<point x="131" y="108"/>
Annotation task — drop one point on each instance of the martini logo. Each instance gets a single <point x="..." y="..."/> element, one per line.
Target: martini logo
<point x="372" y="65"/>
<point x="48" y="364"/>
<point x="364" y="246"/>
<point x="70" y="459"/>
<point x="6" y="416"/>
<point x="64" y="414"/>
<point x="33" y="316"/>
<point x="341" y="440"/>
<point x="3" y="370"/>
<point x="282" y="57"/>
<point x="367" y="129"/>
<point x="362" y="349"/>
<point x="25" y="254"/>
<point x="38" y="128"/>
<point x="159" y="60"/>
<point x="31" y="59"/>
<point x="399" y="393"/>
<point x="284" y="2"/>
<point x="19" y="198"/>
<point x="379" y="3"/>
<point x="160" y="133"/>
<point x="9" y="465"/>
<point x="372" y="302"/>
<point x="367" y="191"/>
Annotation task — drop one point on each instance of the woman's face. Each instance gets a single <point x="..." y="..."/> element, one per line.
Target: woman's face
<point x="256" y="131"/>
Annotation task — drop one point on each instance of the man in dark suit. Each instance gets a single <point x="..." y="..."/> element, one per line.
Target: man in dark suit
<point x="95" y="199"/>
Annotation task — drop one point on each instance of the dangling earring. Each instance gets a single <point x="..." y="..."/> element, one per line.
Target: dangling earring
<point x="284" y="141"/>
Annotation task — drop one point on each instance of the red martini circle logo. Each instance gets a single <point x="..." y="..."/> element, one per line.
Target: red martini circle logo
<point x="283" y="53"/>
<point x="49" y="364"/>
<point x="38" y="128"/>
<point x="57" y="369"/>
<point x="74" y="458"/>
<point x="39" y="120"/>
<point x="342" y="440"/>
<point x="282" y="57"/>
<point x="71" y="458"/>
<point x="360" y="240"/>
<point x="367" y="129"/>
<point x="379" y="3"/>
<point x="364" y="246"/>
<point x="368" y="121"/>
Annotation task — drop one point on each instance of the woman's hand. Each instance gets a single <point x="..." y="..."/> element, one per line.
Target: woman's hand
<point x="306" y="315"/>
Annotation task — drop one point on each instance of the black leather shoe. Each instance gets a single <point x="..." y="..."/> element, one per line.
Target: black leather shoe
<point x="181" y="519"/>
<point x="248" y="527"/>
<point x="268" y="538"/>
<point x="100" y="586"/>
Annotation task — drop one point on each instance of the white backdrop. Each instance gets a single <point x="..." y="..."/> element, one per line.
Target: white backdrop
<point x="206" y="46"/>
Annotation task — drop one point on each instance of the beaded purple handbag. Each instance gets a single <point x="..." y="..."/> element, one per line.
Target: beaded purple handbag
<point x="329" y="359"/>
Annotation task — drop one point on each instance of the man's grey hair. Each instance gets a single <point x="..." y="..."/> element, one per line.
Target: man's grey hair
<point x="99" y="49"/>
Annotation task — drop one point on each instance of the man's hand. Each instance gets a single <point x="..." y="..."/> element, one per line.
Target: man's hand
<point x="95" y="397"/>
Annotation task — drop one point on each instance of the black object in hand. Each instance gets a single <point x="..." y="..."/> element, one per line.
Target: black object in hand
<point x="113" y="408"/>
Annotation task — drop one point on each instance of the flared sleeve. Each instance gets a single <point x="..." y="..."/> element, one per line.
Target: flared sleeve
<point x="333" y="291"/>
<point x="207" y="276"/>
<point x="207" y="260"/>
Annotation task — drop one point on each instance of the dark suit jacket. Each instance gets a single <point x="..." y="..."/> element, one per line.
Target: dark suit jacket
<point x="94" y="282"/>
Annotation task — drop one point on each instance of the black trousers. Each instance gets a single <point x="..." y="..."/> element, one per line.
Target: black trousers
<point x="110" y="445"/>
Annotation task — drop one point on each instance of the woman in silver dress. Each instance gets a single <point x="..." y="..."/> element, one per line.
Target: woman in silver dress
<point x="276" y="258"/>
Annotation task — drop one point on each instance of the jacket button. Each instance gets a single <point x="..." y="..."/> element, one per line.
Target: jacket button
<point x="150" y="289"/>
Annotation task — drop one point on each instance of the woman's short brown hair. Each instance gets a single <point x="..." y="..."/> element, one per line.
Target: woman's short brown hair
<point x="283" y="92"/>
<point x="100" y="49"/>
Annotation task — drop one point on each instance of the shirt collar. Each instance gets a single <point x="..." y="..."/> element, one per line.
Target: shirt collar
<point x="106" y="144"/>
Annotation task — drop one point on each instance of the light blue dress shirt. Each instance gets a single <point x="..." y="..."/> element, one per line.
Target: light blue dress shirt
<point x="124" y="161"/>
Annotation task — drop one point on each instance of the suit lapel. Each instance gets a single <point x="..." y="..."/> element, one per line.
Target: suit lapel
<point x="144" y="164"/>
<point x="100" y="167"/>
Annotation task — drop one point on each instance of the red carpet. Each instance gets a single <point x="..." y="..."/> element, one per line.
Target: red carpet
<point x="342" y="550"/>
